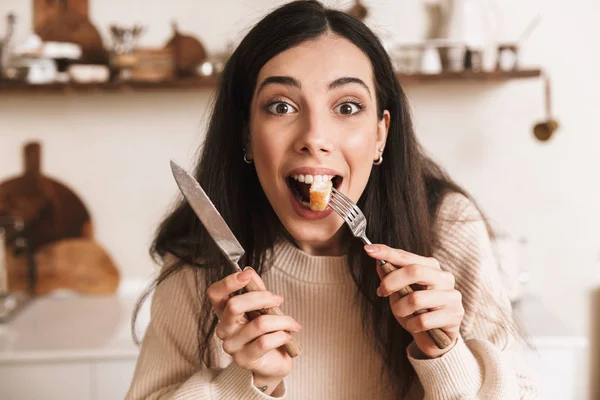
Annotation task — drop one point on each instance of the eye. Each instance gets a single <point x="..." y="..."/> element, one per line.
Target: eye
<point x="280" y="108"/>
<point x="348" y="108"/>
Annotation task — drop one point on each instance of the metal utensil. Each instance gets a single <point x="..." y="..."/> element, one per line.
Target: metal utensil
<point x="222" y="235"/>
<point x="357" y="222"/>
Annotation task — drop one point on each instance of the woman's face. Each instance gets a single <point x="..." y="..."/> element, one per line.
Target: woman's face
<point x="314" y="114"/>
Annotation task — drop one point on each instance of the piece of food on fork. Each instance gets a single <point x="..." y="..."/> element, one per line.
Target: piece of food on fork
<point x="313" y="191"/>
<point x="320" y="192"/>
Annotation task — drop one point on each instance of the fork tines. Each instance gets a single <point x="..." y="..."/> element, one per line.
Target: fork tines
<point x="342" y="205"/>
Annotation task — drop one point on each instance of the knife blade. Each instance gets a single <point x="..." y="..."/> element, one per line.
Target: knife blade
<point x="222" y="235"/>
<point x="209" y="215"/>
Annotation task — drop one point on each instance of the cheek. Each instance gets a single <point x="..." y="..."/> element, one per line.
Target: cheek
<point x="360" y="170"/>
<point x="361" y="133"/>
<point x="265" y="140"/>
<point x="265" y="161"/>
<point x="360" y="146"/>
<point x="268" y="155"/>
<point x="263" y="150"/>
<point x="359" y="151"/>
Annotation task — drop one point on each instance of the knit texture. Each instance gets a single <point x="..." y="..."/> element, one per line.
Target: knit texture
<point x="338" y="361"/>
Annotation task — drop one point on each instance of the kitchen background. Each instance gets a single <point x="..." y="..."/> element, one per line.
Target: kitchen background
<point x="542" y="197"/>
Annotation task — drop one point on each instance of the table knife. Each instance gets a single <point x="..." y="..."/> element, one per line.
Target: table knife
<point x="221" y="234"/>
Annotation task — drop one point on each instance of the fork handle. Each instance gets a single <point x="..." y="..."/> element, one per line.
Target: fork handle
<point x="439" y="337"/>
<point x="292" y="347"/>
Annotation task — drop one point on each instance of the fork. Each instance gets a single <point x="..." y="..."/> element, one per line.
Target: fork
<point x="357" y="222"/>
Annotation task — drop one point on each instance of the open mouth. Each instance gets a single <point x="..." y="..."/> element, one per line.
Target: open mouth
<point x="300" y="185"/>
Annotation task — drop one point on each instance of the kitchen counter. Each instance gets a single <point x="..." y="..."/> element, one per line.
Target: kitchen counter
<point x="88" y="339"/>
<point x="67" y="326"/>
<point x="72" y="327"/>
<point x="73" y="347"/>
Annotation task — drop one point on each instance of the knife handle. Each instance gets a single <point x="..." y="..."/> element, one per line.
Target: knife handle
<point x="439" y="337"/>
<point x="292" y="347"/>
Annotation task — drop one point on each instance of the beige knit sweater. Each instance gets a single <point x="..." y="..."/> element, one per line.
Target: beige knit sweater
<point x="338" y="361"/>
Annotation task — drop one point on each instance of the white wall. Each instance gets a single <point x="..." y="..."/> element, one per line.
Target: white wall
<point x="114" y="148"/>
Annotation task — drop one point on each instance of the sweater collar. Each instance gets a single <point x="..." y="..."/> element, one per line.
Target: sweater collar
<point x="313" y="269"/>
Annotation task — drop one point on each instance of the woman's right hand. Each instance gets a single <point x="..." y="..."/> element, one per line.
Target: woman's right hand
<point x="256" y="344"/>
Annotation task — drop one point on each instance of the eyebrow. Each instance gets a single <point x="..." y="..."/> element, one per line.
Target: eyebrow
<point x="346" y="80"/>
<point x="289" y="81"/>
<point x="282" y="80"/>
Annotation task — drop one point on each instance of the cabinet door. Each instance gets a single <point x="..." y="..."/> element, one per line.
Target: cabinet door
<point x="64" y="381"/>
<point x="112" y="378"/>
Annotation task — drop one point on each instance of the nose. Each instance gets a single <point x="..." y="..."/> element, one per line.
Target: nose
<point x="315" y="136"/>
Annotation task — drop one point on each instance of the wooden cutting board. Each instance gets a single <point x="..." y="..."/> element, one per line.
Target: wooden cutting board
<point x="45" y="10"/>
<point x="77" y="264"/>
<point x="68" y="21"/>
<point x="60" y="230"/>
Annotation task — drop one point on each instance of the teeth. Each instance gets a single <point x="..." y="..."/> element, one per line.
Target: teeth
<point x="312" y="178"/>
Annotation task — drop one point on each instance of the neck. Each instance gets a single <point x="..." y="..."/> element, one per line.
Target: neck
<point x="332" y="247"/>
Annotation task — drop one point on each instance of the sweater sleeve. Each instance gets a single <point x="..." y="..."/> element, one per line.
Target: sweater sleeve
<point x="169" y="367"/>
<point x="487" y="362"/>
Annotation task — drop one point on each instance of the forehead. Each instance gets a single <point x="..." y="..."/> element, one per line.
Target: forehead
<point x="321" y="60"/>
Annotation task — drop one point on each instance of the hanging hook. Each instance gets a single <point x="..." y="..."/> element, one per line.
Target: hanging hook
<point x="545" y="129"/>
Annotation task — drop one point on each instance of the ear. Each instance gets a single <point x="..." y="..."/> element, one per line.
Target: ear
<point x="383" y="125"/>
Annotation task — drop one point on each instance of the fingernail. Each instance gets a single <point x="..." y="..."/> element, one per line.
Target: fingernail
<point x="278" y="298"/>
<point x="379" y="291"/>
<point x="371" y="248"/>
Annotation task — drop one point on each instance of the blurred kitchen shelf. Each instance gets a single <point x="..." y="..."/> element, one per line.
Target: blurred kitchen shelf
<point x="131" y="86"/>
<point x="210" y="82"/>
<point x="468" y="76"/>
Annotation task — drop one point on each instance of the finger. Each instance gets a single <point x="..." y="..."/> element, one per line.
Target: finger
<point x="252" y="314"/>
<point x="442" y="319"/>
<point x="255" y="283"/>
<point x="430" y="277"/>
<point x="234" y="313"/>
<point x="251" y="356"/>
<point x="426" y="300"/>
<point x="379" y="270"/>
<point x="259" y="326"/>
<point x="399" y="257"/>
<point x="218" y="293"/>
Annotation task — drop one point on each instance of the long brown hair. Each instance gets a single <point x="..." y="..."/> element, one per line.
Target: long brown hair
<point x="400" y="200"/>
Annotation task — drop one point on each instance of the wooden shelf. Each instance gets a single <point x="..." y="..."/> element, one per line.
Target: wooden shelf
<point x="468" y="76"/>
<point x="208" y="83"/>
<point x="71" y="87"/>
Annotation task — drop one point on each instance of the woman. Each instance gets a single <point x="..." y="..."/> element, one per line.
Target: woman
<point x="310" y="92"/>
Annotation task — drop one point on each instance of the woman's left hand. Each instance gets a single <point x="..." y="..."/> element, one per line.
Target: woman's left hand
<point x="439" y="296"/>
